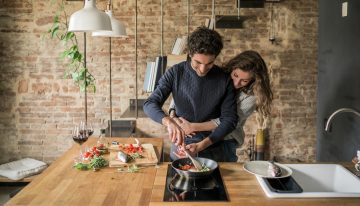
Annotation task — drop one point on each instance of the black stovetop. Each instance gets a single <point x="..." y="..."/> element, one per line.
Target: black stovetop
<point x="181" y="189"/>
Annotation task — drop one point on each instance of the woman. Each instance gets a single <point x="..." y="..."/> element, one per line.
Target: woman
<point x="251" y="81"/>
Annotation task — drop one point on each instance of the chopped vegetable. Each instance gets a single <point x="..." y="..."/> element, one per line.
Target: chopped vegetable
<point x="94" y="151"/>
<point x="136" y="156"/>
<point x="187" y="167"/>
<point x="204" y="168"/>
<point x="98" y="162"/>
<point x="133" y="149"/>
<point x="133" y="168"/>
<point x="82" y="166"/>
<point x="133" y="152"/>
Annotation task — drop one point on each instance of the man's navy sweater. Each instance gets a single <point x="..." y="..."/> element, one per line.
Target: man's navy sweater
<point x="197" y="99"/>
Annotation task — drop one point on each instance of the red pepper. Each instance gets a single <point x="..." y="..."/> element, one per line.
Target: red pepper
<point x="185" y="167"/>
<point x="87" y="154"/>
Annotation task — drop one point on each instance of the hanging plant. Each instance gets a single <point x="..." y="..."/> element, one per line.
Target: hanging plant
<point x="71" y="55"/>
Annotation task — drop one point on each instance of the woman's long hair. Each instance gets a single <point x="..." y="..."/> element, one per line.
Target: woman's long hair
<point x="251" y="61"/>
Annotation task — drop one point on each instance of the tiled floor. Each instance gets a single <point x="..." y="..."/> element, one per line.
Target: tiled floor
<point x="5" y="191"/>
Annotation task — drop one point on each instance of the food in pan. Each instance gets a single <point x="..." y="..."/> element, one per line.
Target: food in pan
<point x="191" y="168"/>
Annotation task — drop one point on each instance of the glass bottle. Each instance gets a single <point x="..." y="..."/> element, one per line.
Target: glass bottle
<point x="102" y="142"/>
<point x="260" y="144"/>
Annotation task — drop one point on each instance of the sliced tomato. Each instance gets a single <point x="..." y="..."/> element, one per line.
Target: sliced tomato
<point x="185" y="167"/>
<point x="87" y="154"/>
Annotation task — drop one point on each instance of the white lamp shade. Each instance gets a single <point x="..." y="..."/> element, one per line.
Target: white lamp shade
<point x="89" y="19"/>
<point x="118" y="28"/>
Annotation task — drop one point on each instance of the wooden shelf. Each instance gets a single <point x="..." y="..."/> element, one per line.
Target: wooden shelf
<point x="174" y="59"/>
<point x="130" y="112"/>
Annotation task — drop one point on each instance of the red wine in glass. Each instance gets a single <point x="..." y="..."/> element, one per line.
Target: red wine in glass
<point x="80" y="139"/>
<point x="90" y="130"/>
<point x="80" y="136"/>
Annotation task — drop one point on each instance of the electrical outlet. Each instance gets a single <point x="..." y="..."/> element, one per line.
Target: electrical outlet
<point x="344" y="9"/>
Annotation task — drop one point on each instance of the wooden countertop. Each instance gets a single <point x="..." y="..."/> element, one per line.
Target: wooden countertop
<point x="243" y="189"/>
<point x="61" y="184"/>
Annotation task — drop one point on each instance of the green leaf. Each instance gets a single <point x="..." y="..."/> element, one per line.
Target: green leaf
<point x="82" y="87"/>
<point x="98" y="162"/>
<point x="75" y="76"/>
<point x="56" y="19"/>
<point x="82" y="166"/>
<point x="91" y="88"/>
<point x="76" y="56"/>
<point x="54" y="31"/>
<point x="69" y="35"/>
<point x="63" y="54"/>
<point x="133" y="168"/>
<point x="62" y="36"/>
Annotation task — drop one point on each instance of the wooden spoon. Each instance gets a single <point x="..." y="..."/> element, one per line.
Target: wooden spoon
<point x="196" y="164"/>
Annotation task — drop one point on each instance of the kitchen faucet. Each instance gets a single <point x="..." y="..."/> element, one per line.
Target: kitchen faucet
<point x="341" y="110"/>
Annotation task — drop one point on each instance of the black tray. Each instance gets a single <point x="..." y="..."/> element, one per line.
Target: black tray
<point x="283" y="185"/>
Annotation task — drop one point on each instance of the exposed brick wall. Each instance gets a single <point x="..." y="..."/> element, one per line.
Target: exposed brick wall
<point x="38" y="107"/>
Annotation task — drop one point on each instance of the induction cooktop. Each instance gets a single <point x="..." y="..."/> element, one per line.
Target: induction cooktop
<point x="181" y="189"/>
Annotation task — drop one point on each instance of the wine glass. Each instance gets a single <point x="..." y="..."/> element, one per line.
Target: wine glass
<point x="80" y="135"/>
<point x="90" y="129"/>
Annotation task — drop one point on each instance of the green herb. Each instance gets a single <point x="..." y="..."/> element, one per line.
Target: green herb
<point x="98" y="162"/>
<point x="82" y="166"/>
<point x="204" y="168"/>
<point x="133" y="168"/>
<point x="136" y="156"/>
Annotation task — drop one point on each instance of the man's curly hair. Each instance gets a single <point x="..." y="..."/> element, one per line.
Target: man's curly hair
<point x="205" y="41"/>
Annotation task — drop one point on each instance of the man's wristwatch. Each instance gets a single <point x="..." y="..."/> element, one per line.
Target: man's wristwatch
<point x="172" y="112"/>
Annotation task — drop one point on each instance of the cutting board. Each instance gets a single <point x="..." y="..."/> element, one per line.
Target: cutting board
<point x="149" y="157"/>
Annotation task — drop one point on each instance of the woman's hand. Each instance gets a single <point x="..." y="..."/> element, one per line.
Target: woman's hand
<point x="180" y="152"/>
<point x="193" y="149"/>
<point x="186" y="126"/>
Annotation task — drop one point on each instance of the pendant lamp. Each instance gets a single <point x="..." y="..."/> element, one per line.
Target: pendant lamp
<point x="89" y="19"/>
<point x="118" y="28"/>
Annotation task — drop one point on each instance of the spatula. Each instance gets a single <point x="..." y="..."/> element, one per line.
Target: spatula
<point x="196" y="164"/>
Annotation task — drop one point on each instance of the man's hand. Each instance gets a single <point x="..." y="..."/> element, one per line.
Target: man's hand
<point x="176" y="134"/>
<point x="185" y="125"/>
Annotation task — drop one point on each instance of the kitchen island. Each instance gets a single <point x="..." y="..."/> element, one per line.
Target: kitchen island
<point x="61" y="184"/>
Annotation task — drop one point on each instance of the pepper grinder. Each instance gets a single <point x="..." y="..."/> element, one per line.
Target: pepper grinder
<point x="356" y="161"/>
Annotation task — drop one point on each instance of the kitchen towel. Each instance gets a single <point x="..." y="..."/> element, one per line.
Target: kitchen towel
<point x="20" y="169"/>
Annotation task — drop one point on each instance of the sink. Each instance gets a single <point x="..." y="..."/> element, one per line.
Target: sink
<point x="319" y="180"/>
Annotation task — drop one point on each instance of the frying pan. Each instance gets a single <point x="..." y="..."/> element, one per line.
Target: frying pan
<point x="211" y="164"/>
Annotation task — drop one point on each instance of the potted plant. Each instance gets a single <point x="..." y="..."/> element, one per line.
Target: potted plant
<point x="71" y="55"/>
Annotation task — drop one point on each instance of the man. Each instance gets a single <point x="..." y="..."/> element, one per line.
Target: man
<point x="201" y="91"/>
